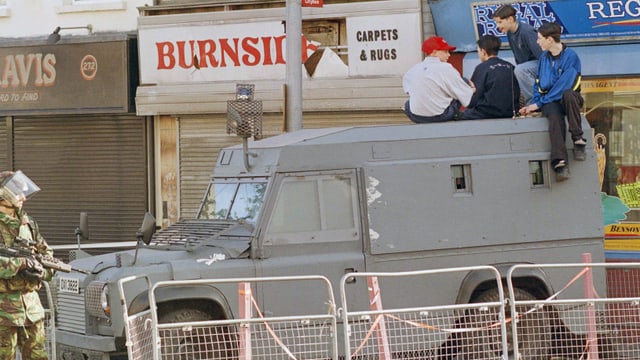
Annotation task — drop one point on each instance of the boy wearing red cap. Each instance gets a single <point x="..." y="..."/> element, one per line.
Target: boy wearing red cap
<point x="436" y="89"/>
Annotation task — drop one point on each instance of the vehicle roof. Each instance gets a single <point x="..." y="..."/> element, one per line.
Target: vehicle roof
<point x="374" y="133"/>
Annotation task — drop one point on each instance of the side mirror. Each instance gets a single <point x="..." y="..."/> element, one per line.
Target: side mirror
<point x="147" y="229"/>
<point x="84" y="226"/>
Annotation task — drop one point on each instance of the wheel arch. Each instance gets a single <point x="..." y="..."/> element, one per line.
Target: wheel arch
<point x="533" y="280"/>
<point x="205" y="295"/>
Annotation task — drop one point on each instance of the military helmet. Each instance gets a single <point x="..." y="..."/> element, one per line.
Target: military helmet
<point x="16" y="187"/>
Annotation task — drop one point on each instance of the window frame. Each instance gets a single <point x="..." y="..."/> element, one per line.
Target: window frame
<point x="466" y="175"/>
<point x="323" y="235"/>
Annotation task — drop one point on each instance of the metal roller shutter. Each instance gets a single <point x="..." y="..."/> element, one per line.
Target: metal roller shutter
<point x="91" y="164"/>
<point x="4" y="149"/>
<point x="202" y="137"/>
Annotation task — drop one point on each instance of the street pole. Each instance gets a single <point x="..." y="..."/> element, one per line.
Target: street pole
<point x="294" y="66"/>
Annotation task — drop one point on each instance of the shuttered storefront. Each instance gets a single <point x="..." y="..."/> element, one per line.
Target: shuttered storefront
<point x="202" y="137"/>
<point x="85" y="164"/>
<point x="4" y="146"/>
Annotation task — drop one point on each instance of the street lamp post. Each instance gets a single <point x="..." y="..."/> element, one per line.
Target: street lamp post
<point x="293" y="89"/>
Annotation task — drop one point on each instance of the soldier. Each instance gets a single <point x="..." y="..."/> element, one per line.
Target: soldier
<point x="21" y="313"/>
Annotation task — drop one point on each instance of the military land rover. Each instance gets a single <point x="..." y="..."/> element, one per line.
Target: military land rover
<point x="339" y="200"/>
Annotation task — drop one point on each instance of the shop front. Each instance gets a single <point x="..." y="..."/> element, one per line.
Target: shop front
<point x="354" y="56"/>
<point x="70" y="124"/>
<point x="605" y="34"/>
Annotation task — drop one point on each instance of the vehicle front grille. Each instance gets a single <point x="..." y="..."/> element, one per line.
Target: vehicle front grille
<point x="70" y="311"/>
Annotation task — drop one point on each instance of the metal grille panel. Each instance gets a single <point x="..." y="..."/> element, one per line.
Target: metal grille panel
<point x="286" y="339"/>
<point x="583" y="321"/>
<point x="140" y="343"/>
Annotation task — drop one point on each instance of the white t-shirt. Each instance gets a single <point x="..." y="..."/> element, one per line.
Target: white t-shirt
<point x="432" y="85"/>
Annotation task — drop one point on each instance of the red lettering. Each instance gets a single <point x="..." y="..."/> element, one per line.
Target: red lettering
<point x="266" y="49"/>
<point x="279" y="40"/>
<point x="228" y="50"/>
<point x="252" y="56"/>
<point x="306" y="47"/>
<point x="165" y="52"/>
<point x="207" y="47"/>
<point x="247" y="51"/>
<point x="182" y="55"/>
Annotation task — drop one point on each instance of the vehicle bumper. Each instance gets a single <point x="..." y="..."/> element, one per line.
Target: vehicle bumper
<point x="71" y="346"/>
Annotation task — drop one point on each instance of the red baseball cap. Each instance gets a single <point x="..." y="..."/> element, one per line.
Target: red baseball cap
<point x="436" y="43"/>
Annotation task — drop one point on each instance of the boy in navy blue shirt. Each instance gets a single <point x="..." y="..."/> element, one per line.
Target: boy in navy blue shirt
<point x="557" y="93"/>
<point x="497" y="93"/>
<point x="522" y="41"/>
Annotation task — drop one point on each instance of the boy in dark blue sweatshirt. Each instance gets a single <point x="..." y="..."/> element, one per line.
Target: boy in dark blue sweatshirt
<point x="557" y="93"/>
<point x="497" y="94"/>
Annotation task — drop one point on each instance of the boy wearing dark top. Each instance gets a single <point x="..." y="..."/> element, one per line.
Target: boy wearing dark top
<point x="523" y="43"/>
<point x="497" y="92"/>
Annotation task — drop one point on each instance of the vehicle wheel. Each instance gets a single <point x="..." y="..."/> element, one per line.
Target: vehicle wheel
<point x="196" y="342"/>
<point x="534" y="328"/>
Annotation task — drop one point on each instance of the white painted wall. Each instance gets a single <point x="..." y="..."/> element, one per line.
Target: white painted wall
<point x="35" y="18"/>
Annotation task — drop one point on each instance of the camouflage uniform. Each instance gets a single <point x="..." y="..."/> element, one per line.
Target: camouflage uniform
<point x="21" y="313"/>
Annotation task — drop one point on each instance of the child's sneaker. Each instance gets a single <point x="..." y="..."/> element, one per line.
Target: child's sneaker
<point x="562" y="174"/>
<point x="561" y="170"/>
<point x="580" y="142"/>
<point x="561" y="164"/>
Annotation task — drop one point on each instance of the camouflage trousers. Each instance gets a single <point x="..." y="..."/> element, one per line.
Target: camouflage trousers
<point x="29" y="339"/>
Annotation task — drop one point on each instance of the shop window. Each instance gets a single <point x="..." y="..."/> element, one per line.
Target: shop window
<point x="612" y="107"/>
<point x="91" y="5"/>
<point x="461" y="176"/>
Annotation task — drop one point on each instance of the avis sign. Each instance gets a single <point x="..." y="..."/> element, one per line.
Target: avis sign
<point x="312" y="3"/>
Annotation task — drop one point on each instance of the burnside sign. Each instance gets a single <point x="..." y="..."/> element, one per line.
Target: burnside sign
<point x="224" y="52"/>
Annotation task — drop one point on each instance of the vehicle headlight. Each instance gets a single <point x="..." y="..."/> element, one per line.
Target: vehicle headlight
<point x="104" y="300"/>
<point x="97" y="299"/>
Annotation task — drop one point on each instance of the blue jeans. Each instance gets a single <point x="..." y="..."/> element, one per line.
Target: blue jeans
<point x="450" y="113"/>
<point x="526" y="74"/>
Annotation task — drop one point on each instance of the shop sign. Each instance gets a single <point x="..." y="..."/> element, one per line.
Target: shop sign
<point x="378" y="45"/>
<point x="610" y="85"/>
<point x="205" y="53"/>
<point x="461" y="22"/>
<point x="383" y="45"/>
<point x="312" y="3"/>
<point x="622" y="230"/>
<point x="581" y="20"/>
<point x="64" y="78"/>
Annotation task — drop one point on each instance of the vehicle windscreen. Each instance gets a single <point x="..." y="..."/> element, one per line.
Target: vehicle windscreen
<point x="233" y="201"/>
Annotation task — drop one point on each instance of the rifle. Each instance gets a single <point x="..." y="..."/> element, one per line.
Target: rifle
<point x="48" y="262"/>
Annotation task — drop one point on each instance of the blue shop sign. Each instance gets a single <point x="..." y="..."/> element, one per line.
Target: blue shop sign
<point x="582" y="21"/>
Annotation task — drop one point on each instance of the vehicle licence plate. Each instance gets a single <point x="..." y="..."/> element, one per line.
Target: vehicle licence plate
<point x="69" y="285"/>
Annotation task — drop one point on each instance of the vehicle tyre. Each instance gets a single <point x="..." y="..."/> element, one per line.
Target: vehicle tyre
<point x="194" y="342"/>
<point x="534" y="328"/>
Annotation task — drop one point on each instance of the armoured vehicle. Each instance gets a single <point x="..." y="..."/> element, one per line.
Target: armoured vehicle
<point x="338" y="200"/>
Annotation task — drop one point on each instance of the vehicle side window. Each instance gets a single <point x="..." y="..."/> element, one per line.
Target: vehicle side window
<point x="318" y="208"/>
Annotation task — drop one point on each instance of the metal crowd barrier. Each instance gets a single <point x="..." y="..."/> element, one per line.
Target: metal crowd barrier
<point x="582" y="320"/>
<point x="421" y="329"/>
<point x="138" y="327"/>
<point x="588" y="322"/>
<point x="251" y="335"/>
